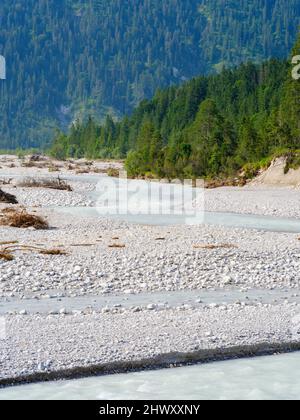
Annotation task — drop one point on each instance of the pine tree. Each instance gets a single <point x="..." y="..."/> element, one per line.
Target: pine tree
<point x="205" y="136"/>
<point x="248" y="143"/>
<point x="289" y="112"/>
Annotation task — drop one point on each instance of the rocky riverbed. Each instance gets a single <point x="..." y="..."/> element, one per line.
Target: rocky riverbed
<point x="110" y="257"/>
<point x="259" y="200"/>
<point x="37" y="345"/>
<point x="113" y="259"/>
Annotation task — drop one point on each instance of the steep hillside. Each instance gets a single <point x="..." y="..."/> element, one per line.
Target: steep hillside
<point x="278" y="175"/>
<point x="232" y="123"/>
<point x="67" y="59"/>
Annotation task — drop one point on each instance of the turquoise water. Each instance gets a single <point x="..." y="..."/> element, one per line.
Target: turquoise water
<point x="271" y="377"/>
<point x="244" y="221"/>
<point x="275" y="377"/>
<point x="161" y="204"/>
<point x="142" y="194"/>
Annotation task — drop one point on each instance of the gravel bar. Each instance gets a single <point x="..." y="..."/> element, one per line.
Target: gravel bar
<point x="40" y="347"/>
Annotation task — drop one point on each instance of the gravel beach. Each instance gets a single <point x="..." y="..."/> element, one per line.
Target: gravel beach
<point x="38" y="344"/>
<point x="260" y="200"/>
<point x="120" y="262"/>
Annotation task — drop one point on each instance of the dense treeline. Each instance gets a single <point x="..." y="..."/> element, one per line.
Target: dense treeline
<point x="67" y="59"/>
<point x="209" y="126"/>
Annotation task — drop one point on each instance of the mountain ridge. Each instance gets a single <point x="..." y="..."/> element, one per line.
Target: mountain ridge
<point x="231" y="124"/>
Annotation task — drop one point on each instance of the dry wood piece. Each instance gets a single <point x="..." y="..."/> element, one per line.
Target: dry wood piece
<point x="116" y="246"/>
<point x="229" y="182"/>
<point x="30" y="165"/>
<point x="210" y="246"/>
<point x="79" y="245"/>
<point x="6" y="255"/>
<point x="53" y="252"/>
<point x="19" y="218"/>
<point x="99" y="170"/>
<point x="7" y="252"/>
<point x="82" y="171"/>
<point x="54" y="169"/>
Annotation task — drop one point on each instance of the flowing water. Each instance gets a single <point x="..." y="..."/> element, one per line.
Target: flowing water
<point x="163" y="299"/>
<point x="275" y="377"/>
<point x="161" y="204"/>
<point x="272" y="378"/>
<point x="245" y="221"/>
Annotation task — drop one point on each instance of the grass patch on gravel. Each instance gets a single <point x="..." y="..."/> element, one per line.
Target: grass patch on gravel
<point x="113" y="172"/>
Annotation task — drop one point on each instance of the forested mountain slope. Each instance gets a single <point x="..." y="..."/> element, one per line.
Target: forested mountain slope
<point x="210" y="126"/>
<point x="70" y="58"/>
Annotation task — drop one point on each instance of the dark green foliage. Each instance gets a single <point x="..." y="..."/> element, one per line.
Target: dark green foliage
<point x="288" y="117"/>
<point x="67" y="59"/>
<point x="207" y="127"/>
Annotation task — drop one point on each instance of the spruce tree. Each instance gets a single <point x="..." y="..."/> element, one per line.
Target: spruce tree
<point x="289" y="112"/>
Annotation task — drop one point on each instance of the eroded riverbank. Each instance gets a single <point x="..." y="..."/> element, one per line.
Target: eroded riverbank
<point x="39" y="347"/>
<point x="264" y="378"/>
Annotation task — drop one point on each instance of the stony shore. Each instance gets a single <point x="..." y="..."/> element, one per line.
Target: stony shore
<point x="37" y="345"/>
<point x="259" y="200"/>
<point x="153" y="259"/>
<point x="114" y="258"/>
